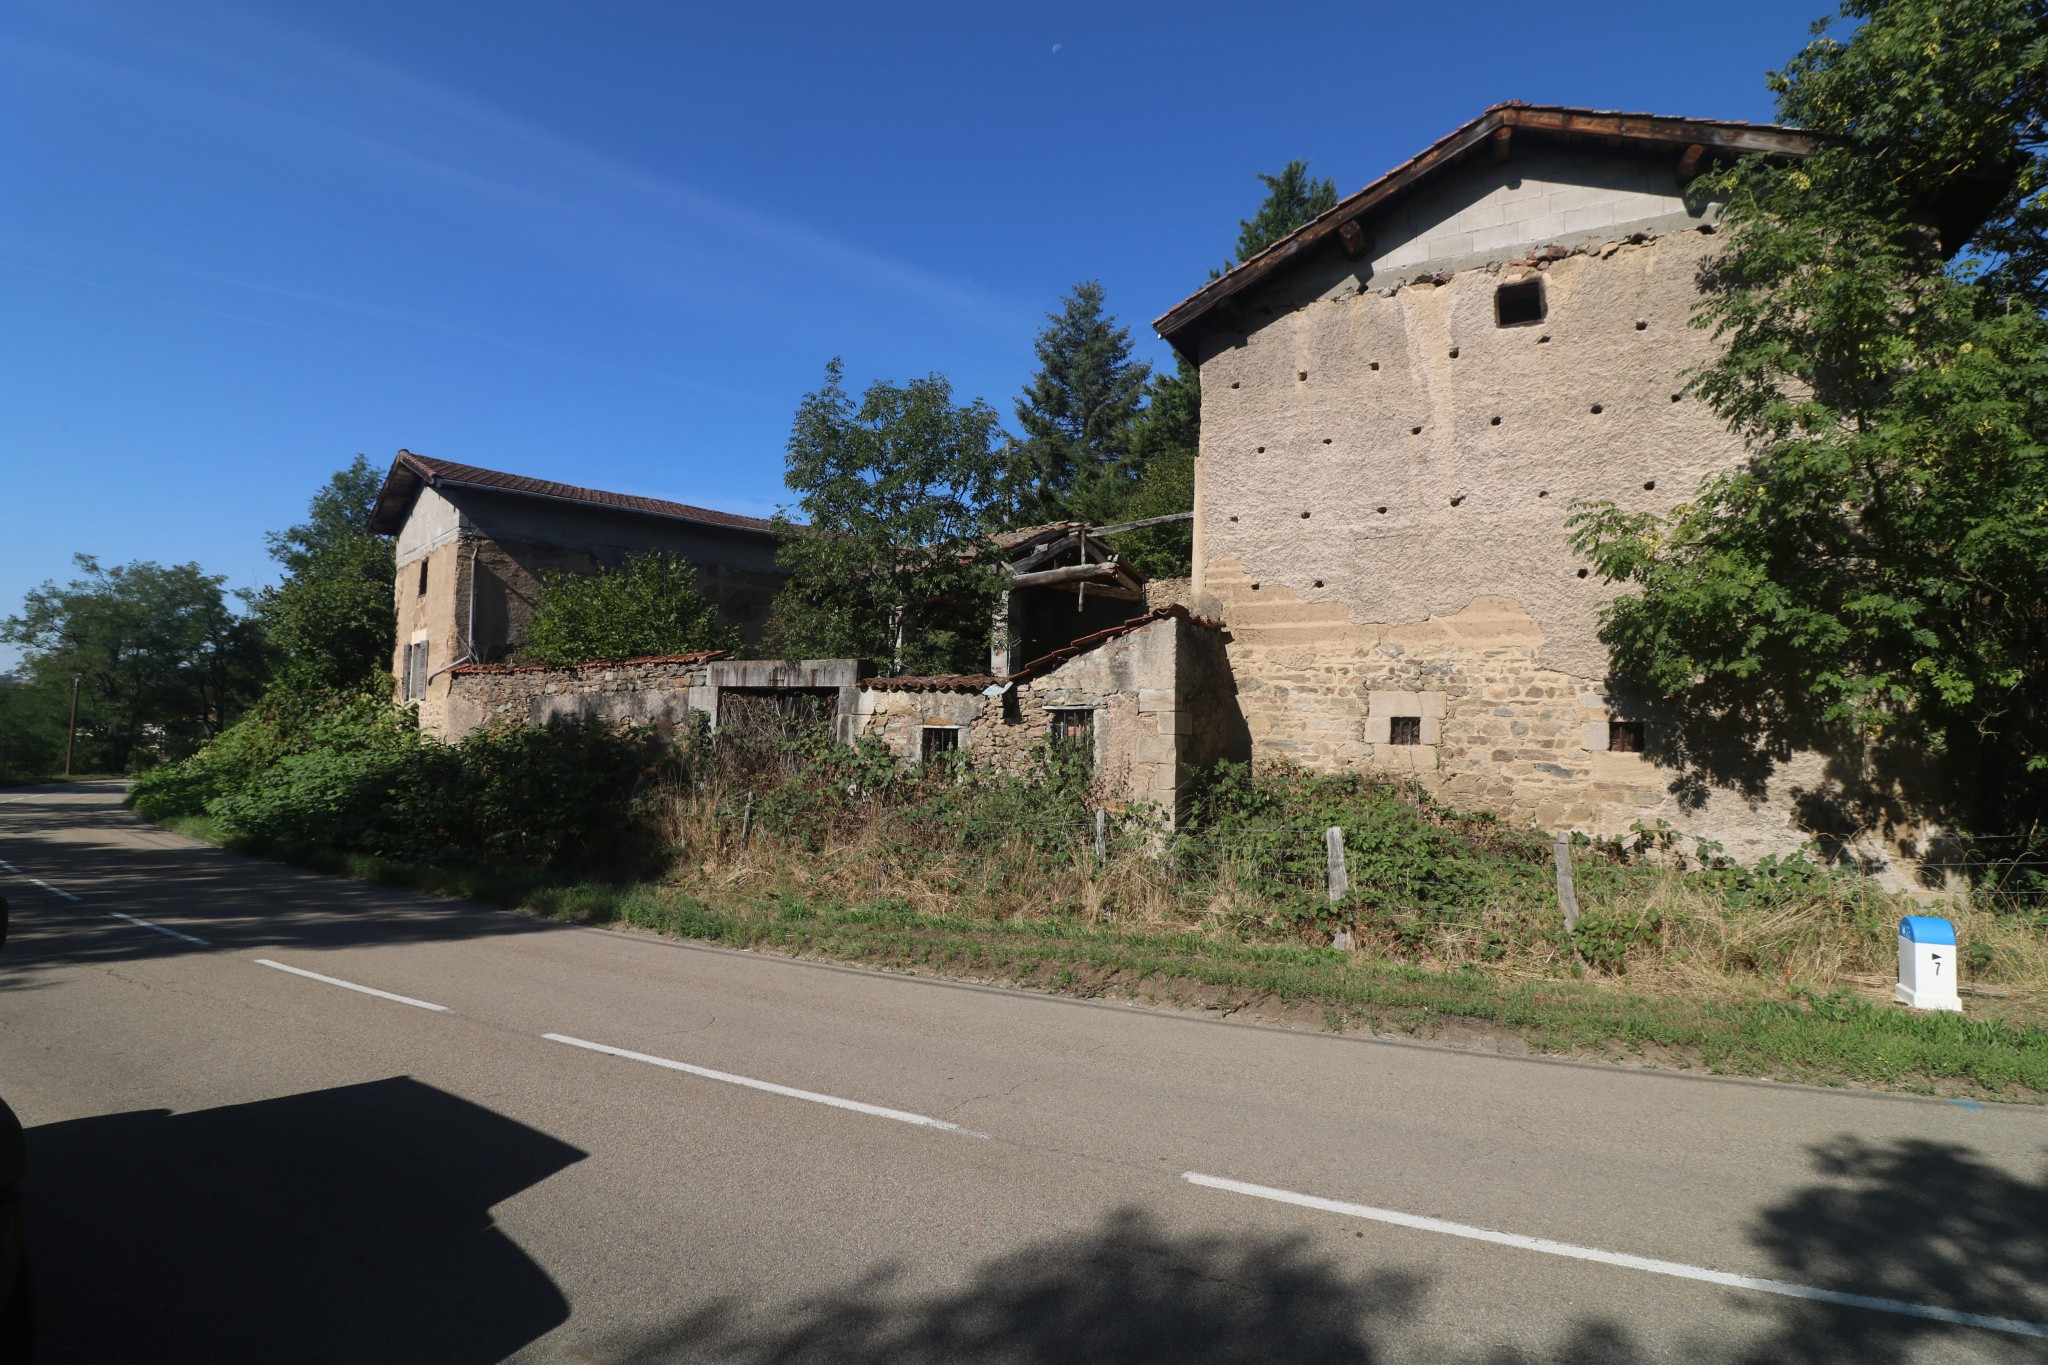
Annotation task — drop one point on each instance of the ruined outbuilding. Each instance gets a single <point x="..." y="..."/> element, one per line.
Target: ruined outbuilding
<point x="473" y="543"/>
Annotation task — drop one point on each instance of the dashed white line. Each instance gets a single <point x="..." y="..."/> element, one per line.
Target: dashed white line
<point x="352" y="986"/>
<point x="132" y="919"/>
<point x="1675" y="1269"/>
<point x="52" y="890"/>
<point x="788" y="1092"/>
<point x="10" y="867"/>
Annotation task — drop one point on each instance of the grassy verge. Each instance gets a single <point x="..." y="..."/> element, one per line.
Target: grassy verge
<point x="1790" y="1033"/>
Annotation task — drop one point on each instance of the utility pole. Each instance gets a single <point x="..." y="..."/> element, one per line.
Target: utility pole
<point x="71" y="734"/>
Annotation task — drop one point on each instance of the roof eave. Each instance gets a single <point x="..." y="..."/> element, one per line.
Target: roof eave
<point x="1179" y="325"/>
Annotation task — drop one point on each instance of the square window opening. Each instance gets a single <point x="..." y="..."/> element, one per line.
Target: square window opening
<point x="1624" y="736"/>
<point x="1073" y="730"/>
<point x="1517" y="304"/>
<point x="1404" y="729"/>
<point x="938" y="741"/>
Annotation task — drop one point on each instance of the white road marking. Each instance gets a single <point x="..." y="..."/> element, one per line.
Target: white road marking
<point x="53" y="890"/>
<point x="1675" y="1269"/>
<point x="159" y="928"/>
<point x="787" y="1091"/>
<point x="352" y="986"/>
<point x="10" y="867"/>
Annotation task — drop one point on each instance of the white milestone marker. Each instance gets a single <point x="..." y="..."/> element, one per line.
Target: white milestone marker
<point x="1927" y="964"/>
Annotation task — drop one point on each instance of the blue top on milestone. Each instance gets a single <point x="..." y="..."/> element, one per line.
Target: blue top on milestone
<point x="1927" y="929"/>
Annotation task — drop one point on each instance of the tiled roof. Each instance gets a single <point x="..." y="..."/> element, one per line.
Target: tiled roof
<point x="975" y="682"/>
<point x="410" y="472"/>
<point x="1492" y="129"/>
<point x="932" y="682"/>
<point x="704" y="657"/>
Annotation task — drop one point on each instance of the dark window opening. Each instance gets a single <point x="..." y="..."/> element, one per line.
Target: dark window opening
<point x="1074" y="730"/>
<point x="423" y="578"/>
<point x="937" y="741"/>
<point x="1404" y="730"/>
<point x="1624" y="736"/>
<point x="1515" y="304"/>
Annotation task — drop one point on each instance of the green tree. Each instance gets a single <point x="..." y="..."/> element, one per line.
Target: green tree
<point x="898" y="491"/>
<point x="1078" y="409"/>
<point x="331" y="619"/>
<point x="1162" y="445"/>
<point x="648" y="606"/>
<point x="165" y="664"/>
<point x="1293" y="199"/>
<point x="1878" y="570"/>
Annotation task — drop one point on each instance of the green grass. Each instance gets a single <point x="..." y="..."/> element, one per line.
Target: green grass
<point x="1800" y="1036"/>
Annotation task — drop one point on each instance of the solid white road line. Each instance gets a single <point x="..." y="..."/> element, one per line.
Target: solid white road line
<point x="159" y="928"/>
<point x="53" y="890"/>
<point x="1675" y="1269"/>
<point x="788" y="1092"/>
<point x="352" y="986"/>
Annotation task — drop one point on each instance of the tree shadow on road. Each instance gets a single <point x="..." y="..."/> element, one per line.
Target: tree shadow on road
<point x="1921" y="1222"/>
<point x="343" y="1225"/>
<point x="1123" y="1293"/>
<point x="114" y="861"/>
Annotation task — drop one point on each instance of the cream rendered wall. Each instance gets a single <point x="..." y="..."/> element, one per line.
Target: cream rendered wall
<point x="1385" y="476"/>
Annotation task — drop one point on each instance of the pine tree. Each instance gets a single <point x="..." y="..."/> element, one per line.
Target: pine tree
<point x="1293" y="198"/>
<point x="1078" y="410"/>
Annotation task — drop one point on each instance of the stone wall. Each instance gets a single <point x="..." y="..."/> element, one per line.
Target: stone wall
<point x="1158" y="691"/>
<point x="621" y="692"/>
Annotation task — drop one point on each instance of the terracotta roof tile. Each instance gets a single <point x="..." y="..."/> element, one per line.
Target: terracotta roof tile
<point x="974" y="682"/>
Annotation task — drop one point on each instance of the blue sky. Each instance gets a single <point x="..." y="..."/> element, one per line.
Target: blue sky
<point x="613" y="243"/>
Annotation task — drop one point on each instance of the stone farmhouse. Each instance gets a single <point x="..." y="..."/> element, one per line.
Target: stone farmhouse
<point x="472" y="545"/>
<point x="1402" y="401"/>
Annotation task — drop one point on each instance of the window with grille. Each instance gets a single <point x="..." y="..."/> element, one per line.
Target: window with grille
<point x="1624" y="736"/>
<point x="939" y="741"/>
<point x="1074" y="730"/>
<point x="1404" y="729"/>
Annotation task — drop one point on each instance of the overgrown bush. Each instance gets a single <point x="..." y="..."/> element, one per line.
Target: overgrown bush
<point x="352" y="774"/>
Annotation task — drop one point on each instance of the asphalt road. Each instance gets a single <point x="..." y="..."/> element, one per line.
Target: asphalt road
<point x="232" y="1160"/>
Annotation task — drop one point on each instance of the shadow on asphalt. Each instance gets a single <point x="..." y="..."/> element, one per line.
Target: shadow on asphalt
<point x="1922" y="1222"/>
<point x="113" y="860"/>
<point x="343" y="1225"/>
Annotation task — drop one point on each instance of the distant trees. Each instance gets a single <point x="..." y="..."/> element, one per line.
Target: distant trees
<point x="330" y="621"/>
<point x="164" y="664"/>
<point x="898" y="491"/>
<point x="649" y="605"/>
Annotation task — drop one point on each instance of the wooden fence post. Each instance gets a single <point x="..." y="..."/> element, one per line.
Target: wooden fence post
<point x="747" y="820"/>
<point x="1567" y="894"/>
<point x="1340" y="883"/>
<point x="1101" y="837"/>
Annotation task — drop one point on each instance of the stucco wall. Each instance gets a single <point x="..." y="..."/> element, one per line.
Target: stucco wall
<point x="1382" y="491"/>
